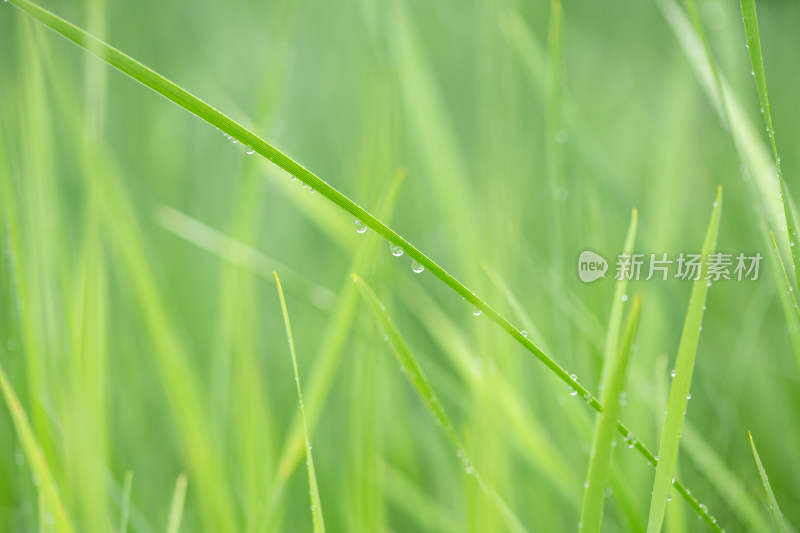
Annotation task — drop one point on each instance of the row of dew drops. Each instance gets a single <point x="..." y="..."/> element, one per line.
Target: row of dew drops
<point x="360" y="226"/>
<point x="396" y="250"/>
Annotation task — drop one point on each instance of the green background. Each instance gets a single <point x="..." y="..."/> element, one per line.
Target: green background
<point x="139" y="335"/>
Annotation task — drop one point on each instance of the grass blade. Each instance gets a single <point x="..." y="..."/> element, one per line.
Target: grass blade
<point x="176" y="507"/>
<point x="413" y="371"/>
<point x="777" y="516"/>
<point x="316" y="507"/>
<point x="786" y="281"/>
<point x="48" y="491"/>
<point x="191" y="103"/>
<point x="615" y="315"/>
<point x="600" y="458"/>
<point x="125" y="505"/>
<point x="681" y="383"/>
<point x="754" y="45"/>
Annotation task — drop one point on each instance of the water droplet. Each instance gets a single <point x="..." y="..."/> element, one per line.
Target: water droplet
<point x="416" y="267"/>
<point x="360" y="226"/>
<point x="669" y="497"/>
<point x="624" y="297"/>
<point x="397" y="251"/>
<point x="708" y="283"/>
<point x="476" y="311"/>
<point x="524" y="333"/>
<point x="312" y="191"/>
<point x="468" y="470"/>
<point x="672" y="374"/>
<point x="585" y="484"/>
<point x="249" y="150"/>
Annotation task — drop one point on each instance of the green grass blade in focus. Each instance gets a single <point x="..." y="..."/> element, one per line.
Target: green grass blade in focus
<point x="681" y="383"/>
<point x="756" y="59"/>
<point x="602" y="449"/>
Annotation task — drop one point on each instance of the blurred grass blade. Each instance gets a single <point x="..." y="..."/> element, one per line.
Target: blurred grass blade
<point x="176" y="508"/>
<point x="413" y="372"/>
<point x="217" y="243"/>
<point x="722" y="110"/>
<point x="316" y="507"/>
<point x="681" y="383"/>
<point x="48" y="490"/>
<point x="754" y="45"/>
<point x="727" y="482"/>
<point x="600" y="457"/>
<point x="777" y="516"/>
<point x="125" y="504"/>
<point x="615" y="315"/>
<point x="554" y="155"/>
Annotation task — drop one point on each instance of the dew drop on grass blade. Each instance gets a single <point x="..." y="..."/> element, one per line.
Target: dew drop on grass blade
<point x="601" y="453"/>
<point x="754" y="46"/>
<point x="681" y="383"/>
<point x="316" y="508"/>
